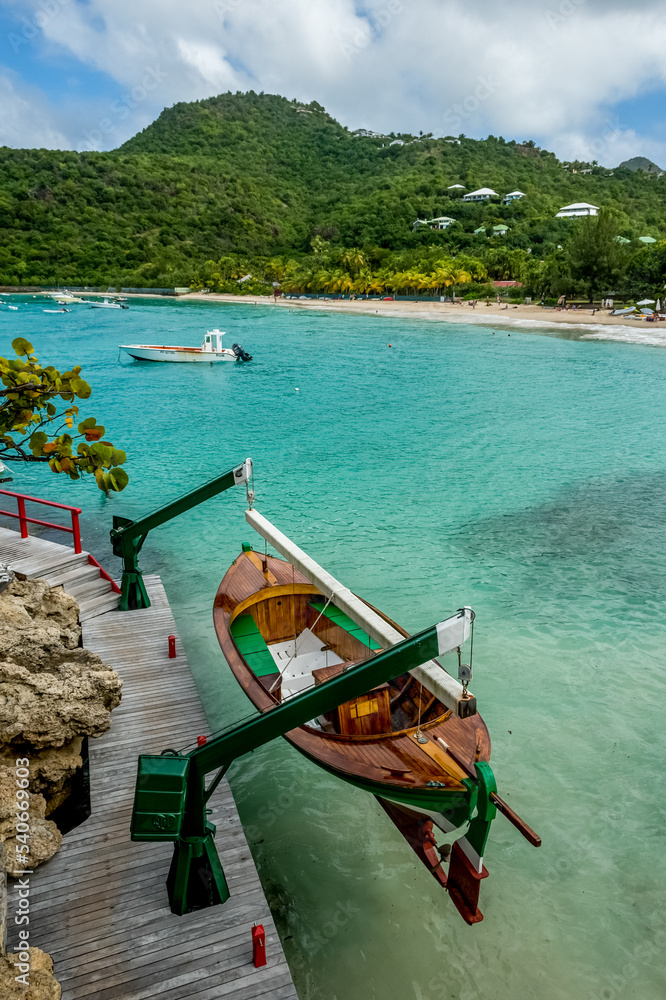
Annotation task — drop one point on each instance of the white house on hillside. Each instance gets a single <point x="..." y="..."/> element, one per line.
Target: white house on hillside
<point x="441" y="222"/>
<point x="456" y="187"/>
<point x="513" y="196"/>
<point x="483" y="194"/>
<point x="578" y="208"/>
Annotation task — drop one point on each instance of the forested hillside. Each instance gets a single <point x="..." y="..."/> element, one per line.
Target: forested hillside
<point x="245" y="178"/>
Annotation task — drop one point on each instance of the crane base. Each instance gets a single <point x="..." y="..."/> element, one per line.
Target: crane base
<point x="196" y="879"/>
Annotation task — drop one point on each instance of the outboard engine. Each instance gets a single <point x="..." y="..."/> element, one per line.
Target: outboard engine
<point x="241" y="355"/>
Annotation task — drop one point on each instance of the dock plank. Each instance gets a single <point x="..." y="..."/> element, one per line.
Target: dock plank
<point x="100" y="906"/>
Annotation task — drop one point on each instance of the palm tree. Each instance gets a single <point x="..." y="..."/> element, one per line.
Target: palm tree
<point x="339" y="281"/>
<point x="353" y="259"/>
<point x="460" y="277"/>
<point x="443" y="276"/>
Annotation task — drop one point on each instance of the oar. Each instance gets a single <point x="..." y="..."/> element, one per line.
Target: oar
<point x="504" y="807"/>
<point x="513" y="817"/>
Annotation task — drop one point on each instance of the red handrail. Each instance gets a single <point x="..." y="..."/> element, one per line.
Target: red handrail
<point x="105" y="576"/>
<point x="24" y="520"/>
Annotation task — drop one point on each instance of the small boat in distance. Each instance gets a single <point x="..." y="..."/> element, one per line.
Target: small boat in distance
<point x="211" y="350"/>
<point x="66" y="298"/>
<point x="108" y="304"/>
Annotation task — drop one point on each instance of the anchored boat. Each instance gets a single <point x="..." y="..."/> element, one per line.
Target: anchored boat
<point x="107" y="303"/>
<point x="211" y="350"/>
<point x="417" y="741"/>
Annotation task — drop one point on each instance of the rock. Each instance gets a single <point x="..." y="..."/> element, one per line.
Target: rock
<point x="52" y="694"/>
<point x="44" y="837"/>
<point x="7" y="576"/>
<point x="50" y="769"/>
<point x="51" y="690"/>
<point x="42" y="983"/>
<point x="50" y="707"/>
<point x="37" y="623"/>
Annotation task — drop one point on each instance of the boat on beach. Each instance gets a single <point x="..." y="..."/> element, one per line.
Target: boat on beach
<point x="417" y="743"/>
<point x="211" y="350"/>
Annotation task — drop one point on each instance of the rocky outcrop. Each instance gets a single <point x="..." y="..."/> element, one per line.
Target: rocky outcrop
<point x="51" y="690"/>
<point x="52" y="694"/>
<point x="42" y="983"/>
<point x="50" y="769"/>
<point x="45" y="837"/>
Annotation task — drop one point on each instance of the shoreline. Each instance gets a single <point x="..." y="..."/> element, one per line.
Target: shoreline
<point x="578" y="324"/>
<point x="601" y="326"/>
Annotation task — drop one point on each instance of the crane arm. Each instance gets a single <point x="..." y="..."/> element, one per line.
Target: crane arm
<point x="127" y="536"/>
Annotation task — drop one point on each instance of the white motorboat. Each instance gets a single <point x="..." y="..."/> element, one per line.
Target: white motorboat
<point x="211" y="350"/>
<point x="108" y="304"/>
<point x="65" y="298"/>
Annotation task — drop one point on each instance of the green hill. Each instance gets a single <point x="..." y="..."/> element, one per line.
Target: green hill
<point x="261" y="176"/>
<point x="640" y="163"/>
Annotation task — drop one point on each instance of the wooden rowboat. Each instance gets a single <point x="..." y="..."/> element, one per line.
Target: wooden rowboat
<point x="417" y="742"/>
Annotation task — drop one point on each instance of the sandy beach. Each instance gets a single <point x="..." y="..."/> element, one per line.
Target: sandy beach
<point x="580" y="323"/>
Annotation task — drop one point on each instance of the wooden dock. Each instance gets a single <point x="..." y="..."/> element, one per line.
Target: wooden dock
<point x="100" y="907"/>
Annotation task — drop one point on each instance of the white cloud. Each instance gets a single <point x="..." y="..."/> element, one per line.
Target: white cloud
<point x="545" y="69"/>
<point x="25" y="118"/>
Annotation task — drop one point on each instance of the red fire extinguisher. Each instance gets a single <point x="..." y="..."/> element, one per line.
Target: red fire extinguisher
<point x="258" y="945"/>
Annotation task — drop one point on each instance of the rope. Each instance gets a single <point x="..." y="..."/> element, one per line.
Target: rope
<point x="295" y="653"/>
<point x="418" y="735"/>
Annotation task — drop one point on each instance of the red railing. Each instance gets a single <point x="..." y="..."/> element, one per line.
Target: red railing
<point x="24" y="520"/>
<point x="105" y="576"/>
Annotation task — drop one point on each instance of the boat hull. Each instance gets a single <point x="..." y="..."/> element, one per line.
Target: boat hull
<point x="392" y="764"/>
<point x="176" y="354"/>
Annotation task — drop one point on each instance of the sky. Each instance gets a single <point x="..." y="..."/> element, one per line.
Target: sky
<point x="584" y="78"/>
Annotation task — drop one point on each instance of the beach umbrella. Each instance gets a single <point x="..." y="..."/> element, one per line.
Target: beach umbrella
<point x="658" y="305"/>
<point x="645" y="302"/>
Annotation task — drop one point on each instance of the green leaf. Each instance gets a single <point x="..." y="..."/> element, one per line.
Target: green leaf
<point x="37" y="442"/>
<point x="102" y="453"/>
<point x="83" y="390"/>
<point x="86" y="424"/>
<point x="22" y="346"/>
<point x="117" y="479"/>
<point x="51" y="410"/>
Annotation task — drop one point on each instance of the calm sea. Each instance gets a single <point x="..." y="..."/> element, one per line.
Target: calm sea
<point x="428" y="466"/>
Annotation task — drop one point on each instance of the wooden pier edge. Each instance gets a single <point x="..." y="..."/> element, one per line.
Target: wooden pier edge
<point x="99" y="907"/>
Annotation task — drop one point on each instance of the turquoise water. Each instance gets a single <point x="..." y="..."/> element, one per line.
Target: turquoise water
<point x="524" y="475"/>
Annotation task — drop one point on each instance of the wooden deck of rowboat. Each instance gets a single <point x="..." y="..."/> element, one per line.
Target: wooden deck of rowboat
<point x="100" y="906"/>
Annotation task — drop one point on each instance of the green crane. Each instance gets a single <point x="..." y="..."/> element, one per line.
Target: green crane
<point x="171" y="793"/>
<point x="128" y="536"/>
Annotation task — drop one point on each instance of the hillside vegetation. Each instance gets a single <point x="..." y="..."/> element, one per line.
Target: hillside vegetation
<point x="238" y="181"/>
